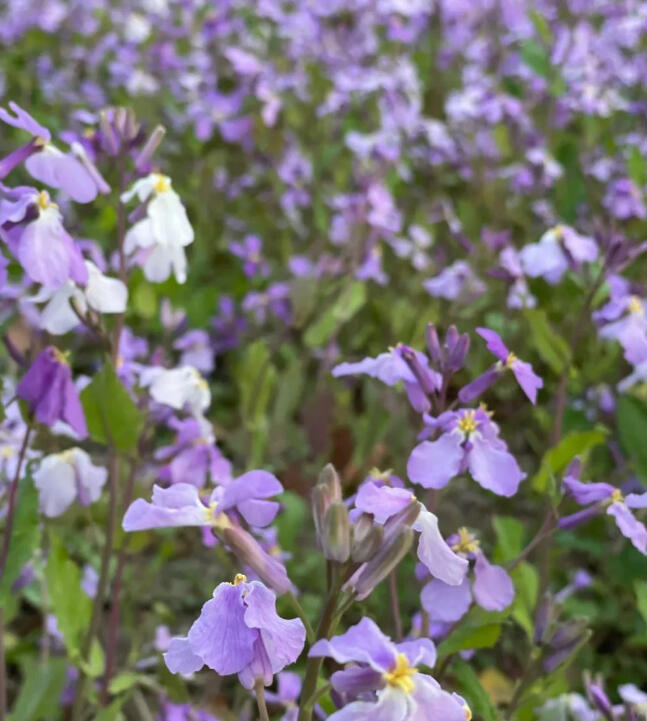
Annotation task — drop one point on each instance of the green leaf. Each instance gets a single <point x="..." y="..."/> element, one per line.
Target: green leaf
<point x="536" y="58"/>
<point x="632" y="428"/>
<point x="553" y="350"/>
<point x="349" y="302"/>
<point x="637" y="167"/>
<point x="43" y="682"/>
<point x="70" y="605"/>
<point x="124" y="681"/>
<point x="95" y="665"/>
<point x="541" y="26"/>
<point x="556" y="459"/>
<point x="510" y="534"/>
<point x="640" y="588"/>
<point x="526" y="586"/>
<point x="25" y="537"/>
<point x="256" y="376"/>
<point x="110" y="412"/>
<point x="468" y="637"/>
<point x="112" y="712"/>
<point x="476" y="696"/>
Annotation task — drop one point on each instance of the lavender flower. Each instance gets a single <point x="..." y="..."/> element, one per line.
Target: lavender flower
<point x="558" y="249"/>
<point x="603" y="496"/>
<point x="469" y="440"/>
<point x="238" y="631"/>
<point x="492" y="587"/>
<point x="384" y="681"/>
<point x="50" y="392"/>
<point x="529" y="381"/>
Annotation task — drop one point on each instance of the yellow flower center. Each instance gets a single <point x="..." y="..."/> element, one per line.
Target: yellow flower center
<point x="67" y="456"/>
<point x="379" y="475"/>
<point x="617" y="497"/>
<point x="400" y="675"/>
<point x="635" y="305"/>
<point x="239" y="578"/>
<point x="61" y="357"/>
<point x="6" y="452"/>
<point x="162" y="184"/>
<point x="467" y="423"/>
<point x="558" y="230"/>
<point x="214" y="518"/>
<point x="468" y="712"/>
<point x="467" y="542"/>
<point x="43" y="200"/>
<point x="510" y="360"/>
<point x="40" y="142"/>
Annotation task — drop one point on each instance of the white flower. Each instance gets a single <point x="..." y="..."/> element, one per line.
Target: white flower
<point x="101" y="294"/>
<point x="64" y="477"/>
<point x="179" y="388"/>
<point x="164" y="232"/>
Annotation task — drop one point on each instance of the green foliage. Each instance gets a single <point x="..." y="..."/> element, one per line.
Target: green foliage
<point x="25" y="538"/>
<point x="111" y="414"/>
<point x="471" y="689"/>
<point x="349" y="302"/>
<point x="70" y="605"/>
<point x="467" y="636"/>
<point x="632" y="427"/>
<point x="43" y="681"/>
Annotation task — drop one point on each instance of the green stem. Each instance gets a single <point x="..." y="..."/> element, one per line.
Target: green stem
<point x="259" y="688"/>
<point x="298" y="608"/>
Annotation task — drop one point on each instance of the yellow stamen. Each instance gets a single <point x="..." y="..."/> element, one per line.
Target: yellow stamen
<point x="635" y="305"/>
<point x="468" y="712"/>
<point x="617" y="497"/>
<point x="61" y="357"/>
<point x="7" y="452"/>
<point x="483" y="407"/>
<point x="400" y="675"/>
<point x="558" y="230"/>
<point x="379" y="475"/>
<point x="468" y="423"/>
<point x="510" y="360"/>
<point x="67" y="456"/>
<point x="239" y="578"/>
<point x="162" y="184"/>
<point x="467" y="542"/>
<point x="43" y="200"/>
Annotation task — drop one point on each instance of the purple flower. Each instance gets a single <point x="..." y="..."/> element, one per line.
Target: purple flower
<point x="193" y="457"/>
<point x="32" y="227"/>
<point x="529" y="381"/>
<point x="197" y="350"/>
<point x="238" y="631"/>
<point x="558" y="249"/>
<point x="469" y="440"/>
<point x="624" y="318"/>
<point x="456" y="280"/>
<point x="249" y="251"/>
<point x="390" y="368"/>
<point x="74" y="173"/>
<point x="492" y="587"/>
<point x="382" y="680"/>
<point x="181" y="505"/>
<point x="603" y="495"/>
<point x="384" y="502"/>
<point x="50" y="392"/>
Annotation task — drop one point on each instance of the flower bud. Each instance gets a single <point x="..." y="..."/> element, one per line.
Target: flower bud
<point x="248" y="550"/>
<point x="379" y="567"/>
<point x="142" y="161"/>
<point x="422" y="374"/>
<point x="601" y="700"/>
<point x="543" y="618"/>
<point x="335" y="536"/>
<point x="327" y="490"/>
<point x="569" y="648"/>
<point x="566" y="633"/>
<point x="433" y="344"/>
<point x="367" y="537"/>
<point x="403" y="519"/>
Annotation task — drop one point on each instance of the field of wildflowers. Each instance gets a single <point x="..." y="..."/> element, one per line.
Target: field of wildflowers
<point x="324" y="360"/>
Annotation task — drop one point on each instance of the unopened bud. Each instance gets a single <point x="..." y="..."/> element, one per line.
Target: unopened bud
<point x="108" y="135"/>
<point x="422" y="374"/>
<point x="564" y="653"/>
<point x="327" y="490"/>
<point x="143" y="160"/>
<point x="433" y="344"/>
<point x="248" y="551"/>
<point x="405" y="518"/>
<point x="335" y="536"/>
<point x="601" y="700"/>
<point x="379" y="567"/>
<point x="566" y="634"/>
<point x="131" y="126"/>
<point x="367" y="537"/>
<point x="543" y="618"/>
